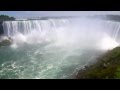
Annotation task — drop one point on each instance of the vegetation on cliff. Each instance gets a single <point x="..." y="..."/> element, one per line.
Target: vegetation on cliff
<point x="107" y="67"/>
<point x="115" y="18"/>
<point x="5" y="17"/>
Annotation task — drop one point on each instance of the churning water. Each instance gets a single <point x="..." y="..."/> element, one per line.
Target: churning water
<point x="54" y="48"/>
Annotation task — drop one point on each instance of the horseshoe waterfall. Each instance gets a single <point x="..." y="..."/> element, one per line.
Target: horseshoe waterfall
<point x="55" y="48"/>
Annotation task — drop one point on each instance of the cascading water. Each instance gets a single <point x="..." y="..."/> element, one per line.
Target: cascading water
<point x="25" y="27"/>
<point x="55" y="48"/>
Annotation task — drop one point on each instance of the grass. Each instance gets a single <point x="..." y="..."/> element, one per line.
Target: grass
<point x="107" y="67"/>
<point x="118" y="73"/>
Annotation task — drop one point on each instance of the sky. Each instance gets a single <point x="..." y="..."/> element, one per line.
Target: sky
<point x="23" y="14"/>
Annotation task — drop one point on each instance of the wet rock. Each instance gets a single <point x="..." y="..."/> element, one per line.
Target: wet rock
<point x="6" y="42"/>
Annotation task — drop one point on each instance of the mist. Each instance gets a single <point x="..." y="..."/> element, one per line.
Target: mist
<point x="55" y="47"/>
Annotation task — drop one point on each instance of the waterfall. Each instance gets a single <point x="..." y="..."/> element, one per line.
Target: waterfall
<point x="55" y="48"/>
<point x="25" y="27"/>
<point x="88" y="26"/>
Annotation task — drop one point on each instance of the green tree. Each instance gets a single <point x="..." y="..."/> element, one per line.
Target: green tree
<point x="5" y="17"/>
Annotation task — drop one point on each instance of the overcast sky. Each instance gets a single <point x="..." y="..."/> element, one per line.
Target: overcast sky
<point x="21" y="14"/>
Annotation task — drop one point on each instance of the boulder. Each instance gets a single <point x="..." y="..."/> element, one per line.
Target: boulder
<point x="6" y="42"/>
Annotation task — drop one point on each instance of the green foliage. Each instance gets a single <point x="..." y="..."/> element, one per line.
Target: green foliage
<point x="5" y="17"/>
<point x="107" y="67"/>
<point x="118" y="73"/>
<point x="107" y="17"/>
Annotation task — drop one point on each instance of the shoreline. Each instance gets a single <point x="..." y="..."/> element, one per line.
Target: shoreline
<point x="107" y="66"/>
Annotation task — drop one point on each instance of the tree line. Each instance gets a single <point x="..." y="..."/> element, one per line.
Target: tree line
<point x="6" y="17"/>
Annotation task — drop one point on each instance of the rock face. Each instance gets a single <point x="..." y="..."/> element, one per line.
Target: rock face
<point x="6" y="42"/>
<point x="1" y="28"/>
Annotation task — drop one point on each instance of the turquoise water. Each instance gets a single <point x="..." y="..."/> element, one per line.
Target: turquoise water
<point x="54" y="48"/>
<point x="42" y="61"/>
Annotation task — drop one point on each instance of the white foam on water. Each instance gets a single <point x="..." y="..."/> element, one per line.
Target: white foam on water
<point x="107" y="43"/>
<point x="61" y="44"/>
<point x="14" y="46"/>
